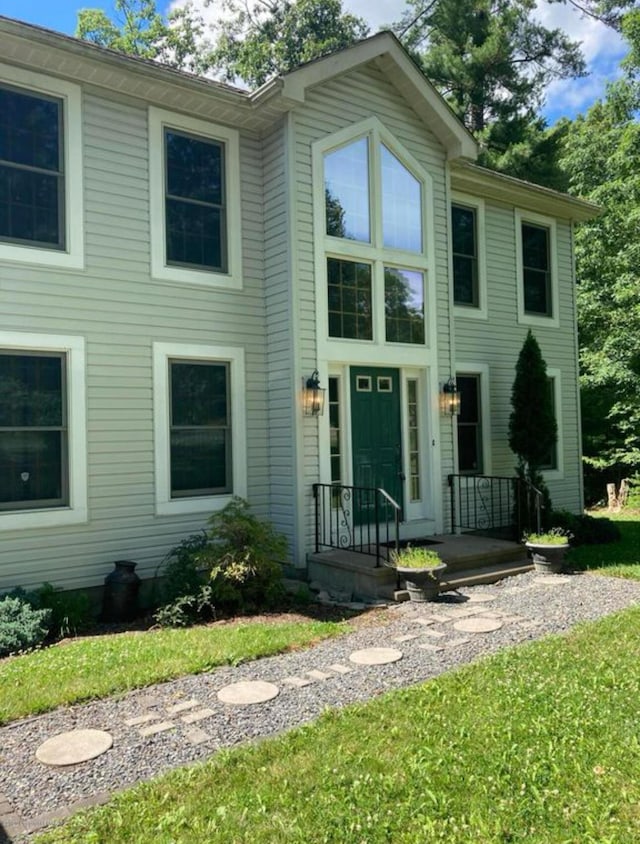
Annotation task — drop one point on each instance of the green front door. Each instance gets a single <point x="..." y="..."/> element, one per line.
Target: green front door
<point x="376" y="434"/>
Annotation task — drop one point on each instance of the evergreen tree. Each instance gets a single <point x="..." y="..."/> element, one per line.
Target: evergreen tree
<point x="533" y="430"/>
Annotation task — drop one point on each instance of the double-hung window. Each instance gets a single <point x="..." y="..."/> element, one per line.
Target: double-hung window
<point x="42" y="431"/>
<point x="41" y="214"/>
<point x="199" y="421"/>
<point x="537" y="270"/>
<point x="468" y="256"/>
<point x="195" y="201"/>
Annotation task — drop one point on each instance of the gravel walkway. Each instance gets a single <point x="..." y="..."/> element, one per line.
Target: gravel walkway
<point x="195" y="723"/>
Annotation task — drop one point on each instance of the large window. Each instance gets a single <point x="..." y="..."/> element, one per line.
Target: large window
<point x="194" y="172"/>
<point x="31" y="169"/>
<point x="42" y="431"/>
<point x="199" y="424"/>
<point x="200" y="428"/>
<point x="33" y="430"/>
<point x="41" y="211"/>
<point x="470" y="458"/>
<point x="374" y="210"/>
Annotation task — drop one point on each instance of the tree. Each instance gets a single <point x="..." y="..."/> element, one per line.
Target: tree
<point x="138" y="29"/>
<point x="275" y="36"/>
<point x="492" y="61"/>
<point x="533" y="430"/>
<point x="602" y="160"/>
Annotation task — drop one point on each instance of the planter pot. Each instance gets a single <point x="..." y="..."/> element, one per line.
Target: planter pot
<point x="422" y="584"/>
<point x="548" y="558"/>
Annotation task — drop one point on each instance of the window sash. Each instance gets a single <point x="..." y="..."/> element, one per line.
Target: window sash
<point x="536" y="270"/>
<point x="189" y="441"/>
<point x="27" y="450"/>
<point x="465" y="261"/>
<point x="350" y="302"/>
<point x="10" y="204"/>
<point x="469" y="424"/>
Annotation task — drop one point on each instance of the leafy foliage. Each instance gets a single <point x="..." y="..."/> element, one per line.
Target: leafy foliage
<point x="416" y="557"/>
<point x="258" y="41"/>
<point x="70" y="611"/>
<point x="586" y="530"/>
<point x="22" y="627"/>
<point x="238" y="556"/>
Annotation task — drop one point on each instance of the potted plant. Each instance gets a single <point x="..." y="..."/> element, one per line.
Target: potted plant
<point x="421" y="569"/>
<point x="548" y="550"/>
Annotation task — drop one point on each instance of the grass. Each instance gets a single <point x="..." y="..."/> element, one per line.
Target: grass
<point x="618" y="559"/>
<point x="103" y="665"/>
<point x="539" y="744"/>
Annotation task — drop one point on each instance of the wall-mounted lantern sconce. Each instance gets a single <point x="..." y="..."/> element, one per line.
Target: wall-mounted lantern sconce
<point x="450" y="399"/>
<point x="313" y="396"/>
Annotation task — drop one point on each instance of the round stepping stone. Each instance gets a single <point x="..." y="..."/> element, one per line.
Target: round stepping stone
<point x="481" y="598"/>
<point x="74" y="747"/>
<point x="478" y="625"/>
<point x="552" y="579"/>
<point x="375" y="656"/>
<point x="248" y="692"/>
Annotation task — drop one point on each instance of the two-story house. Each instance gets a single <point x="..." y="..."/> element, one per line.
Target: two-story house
<point x="181" y="262"/>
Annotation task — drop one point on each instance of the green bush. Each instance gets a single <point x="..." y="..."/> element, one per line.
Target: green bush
<point x="70" y="611"/>
<point x="586" y="530"/>
<point x="22" y="627"/>
<point x="239" y="557"/>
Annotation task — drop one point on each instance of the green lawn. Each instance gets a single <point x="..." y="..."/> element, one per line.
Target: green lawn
<point x="619" y="559"/>
<point x="539" y="743"/>
<point x="102" y="665"/>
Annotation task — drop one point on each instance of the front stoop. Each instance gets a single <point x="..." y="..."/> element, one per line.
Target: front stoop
<point x="348" y="572"/>
<point x="470" y="560"/>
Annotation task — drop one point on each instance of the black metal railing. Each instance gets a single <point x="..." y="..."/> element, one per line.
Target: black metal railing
<point x="359" y="519"/>
<point x="494" y="505"/>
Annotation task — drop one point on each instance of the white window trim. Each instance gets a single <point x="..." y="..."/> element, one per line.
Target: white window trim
<point x="162" y="353"/>
<point x="72" y="256"/>
<point x="556" y="474"/>
<point x="482" y="370"/>
<point x="232" y="279"/>
<point x="549" y="223"/>
<point x="477" y="203"/>
<point x="76" y="512"/>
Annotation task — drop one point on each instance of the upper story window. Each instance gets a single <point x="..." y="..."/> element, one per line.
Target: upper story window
<point x="31" y="169"/>
<point x="468" y="265"/>
<point x="195" y="201"/>
<point x="464" y="238"/>
<point x="351" y="178"/>
<point x="537" y="270"/>
<point x="41" y="198"/>
<point x="375" y="239"/>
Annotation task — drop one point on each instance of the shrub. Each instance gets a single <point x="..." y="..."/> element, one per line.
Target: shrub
<point x="243" y="559"/>
<point x="70" y="611"/>
<point x="416" y="558"/>
<point x="239" y="553"/>
<point x="21" y="626"/>
<point x="586" y="530"/>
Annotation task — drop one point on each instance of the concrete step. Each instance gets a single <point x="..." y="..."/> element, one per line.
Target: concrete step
<point x="484" y="574"/>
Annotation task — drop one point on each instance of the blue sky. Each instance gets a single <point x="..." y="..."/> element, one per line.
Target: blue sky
<point x="603" y="49"/>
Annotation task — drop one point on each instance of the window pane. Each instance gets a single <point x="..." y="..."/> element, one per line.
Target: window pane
<point x="551" y="460"/>
<point x="29" y="206"/>
<point x="195" y="235"/>
<point x="465" y="258"/>
<point x="334" y="429"/>
<point x="198" y="394"/>
<point x="349" y="299"/>
<point x="29" y="129"/>
<point x="536" y="292"/>
<point x="31" y="467"/>
<point x="194" y="168"/>
<point x="346" y="186"/>
<point x="401" y="205"/>
<point x="404" y="305"/>
<point x="535" y="247"/>
<point x="414" y="448"/>
<point x="200" y="428"/>
<point x="30" y="391"/>
<point x="198" y="462"/>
